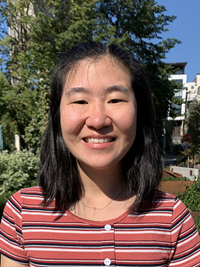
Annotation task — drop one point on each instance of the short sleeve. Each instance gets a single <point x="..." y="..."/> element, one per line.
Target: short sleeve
<point x="11" y="244"/>
<point x="184" y="238"/>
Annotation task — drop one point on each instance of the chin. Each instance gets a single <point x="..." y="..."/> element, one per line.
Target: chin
<point x="101" y="166"/>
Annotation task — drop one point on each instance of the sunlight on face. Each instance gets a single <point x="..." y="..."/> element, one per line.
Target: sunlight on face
<point x="98" y="113"/>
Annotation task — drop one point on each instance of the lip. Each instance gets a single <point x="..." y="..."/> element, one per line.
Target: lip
<point x="99" y="145"/>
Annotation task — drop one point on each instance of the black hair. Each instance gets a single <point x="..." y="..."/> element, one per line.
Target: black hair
<point x="58" y="175"/>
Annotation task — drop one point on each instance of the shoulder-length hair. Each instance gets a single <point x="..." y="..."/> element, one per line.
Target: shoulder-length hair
<point x="58" y="175"/>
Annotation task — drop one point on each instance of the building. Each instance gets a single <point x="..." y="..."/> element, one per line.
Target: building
<point x="194" y="89"/>
<point x="180" y="77"/>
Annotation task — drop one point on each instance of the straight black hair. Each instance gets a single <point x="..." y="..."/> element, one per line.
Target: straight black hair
<point x="58" y="175"/>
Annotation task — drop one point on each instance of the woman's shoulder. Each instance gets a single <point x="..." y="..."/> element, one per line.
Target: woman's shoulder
<point x="26" y="195"/>
<point x="163" y="198"/>
<point x="165" y="208"/>
<point x="34" y="190"/>
<point x="168" y="202"/>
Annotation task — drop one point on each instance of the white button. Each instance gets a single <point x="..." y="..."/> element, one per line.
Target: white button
<point x="107" y="227"/>
<point x="107" y="262"/>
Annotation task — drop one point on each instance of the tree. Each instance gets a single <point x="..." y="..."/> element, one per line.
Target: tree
<point x="135" y="25"/>
<point x="194" y="131"/>
<point x="39" y="32"/>
<point x="42" y="30"/>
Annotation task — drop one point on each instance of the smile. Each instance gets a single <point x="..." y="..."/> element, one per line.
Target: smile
<point x="98" y="140"/>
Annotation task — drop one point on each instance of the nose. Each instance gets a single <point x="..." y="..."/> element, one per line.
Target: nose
<point x="98" y="117"/>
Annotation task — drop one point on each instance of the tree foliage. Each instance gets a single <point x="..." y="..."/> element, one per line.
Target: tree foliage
<point x="191" y="197"/>
<point x="136" y="25"/>
<point x="17" y="170"/>
<point x="194" y="131"/>
<point x="40" y="31"/>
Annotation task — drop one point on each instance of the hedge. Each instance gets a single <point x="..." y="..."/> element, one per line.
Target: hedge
<point x="17" y="170"/>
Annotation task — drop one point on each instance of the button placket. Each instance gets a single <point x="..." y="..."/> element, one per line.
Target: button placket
<point x="108" y="248"/>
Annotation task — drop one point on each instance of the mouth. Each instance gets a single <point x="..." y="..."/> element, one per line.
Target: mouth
<point x="98" y="140"/>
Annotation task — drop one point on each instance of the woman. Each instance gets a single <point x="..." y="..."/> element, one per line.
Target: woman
<point x="97" y="204"/>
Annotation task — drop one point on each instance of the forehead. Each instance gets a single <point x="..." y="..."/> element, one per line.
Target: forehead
<point x="105" y="71"/>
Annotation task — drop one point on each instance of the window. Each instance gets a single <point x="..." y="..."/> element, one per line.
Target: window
<point x="178" y="94"/>
<point x="180" y="81"/>
<point x="192" y="87"/>
<point x="177" y="108"/>
<point x="180" y="71"/>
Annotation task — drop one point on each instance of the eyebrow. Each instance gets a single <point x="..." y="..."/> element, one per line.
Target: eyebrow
<point x="77" y="90"/>
<point x="111" y="89"/>
<point x="118" y="88"/>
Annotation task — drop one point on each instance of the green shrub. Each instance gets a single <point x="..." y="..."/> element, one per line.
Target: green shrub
<point x="17" y="170"/>
<point x="197" y="223"/>
<point x="175" y="179"/>
<point x="191" y="197"/>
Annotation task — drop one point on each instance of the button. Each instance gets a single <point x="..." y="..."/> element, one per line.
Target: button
<point x="107" y="262"/>
<point x="107" y="227"/>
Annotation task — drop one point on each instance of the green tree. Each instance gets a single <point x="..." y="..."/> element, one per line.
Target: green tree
<point x="138" y="25"/>
<point x="41" y="30"/>
<point x="194" y="131"/>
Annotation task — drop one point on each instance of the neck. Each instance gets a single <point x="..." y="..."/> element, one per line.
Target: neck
<point x="101" y="182"/>
<point x="104" y="196"/>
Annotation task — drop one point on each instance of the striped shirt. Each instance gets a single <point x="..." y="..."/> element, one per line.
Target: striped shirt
<point x="163" y="235"/>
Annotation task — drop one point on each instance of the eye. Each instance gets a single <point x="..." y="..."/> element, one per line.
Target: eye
<point x="113" y="101"/>
<point x="80" y="102"/>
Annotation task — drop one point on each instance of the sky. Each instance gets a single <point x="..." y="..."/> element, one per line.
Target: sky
<point x="186" y="28"/>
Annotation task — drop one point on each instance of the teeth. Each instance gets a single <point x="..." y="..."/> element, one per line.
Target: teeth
<point x="100" y="140"/>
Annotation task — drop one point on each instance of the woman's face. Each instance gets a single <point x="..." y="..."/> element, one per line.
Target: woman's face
<point x="98" y="113"/>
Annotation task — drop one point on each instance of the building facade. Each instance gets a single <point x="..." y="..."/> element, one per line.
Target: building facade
<point x="194" y="89"/>
<point x="181" y="78"/>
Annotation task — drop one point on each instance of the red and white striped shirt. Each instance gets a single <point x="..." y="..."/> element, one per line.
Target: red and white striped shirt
<point x="163" y="235"/>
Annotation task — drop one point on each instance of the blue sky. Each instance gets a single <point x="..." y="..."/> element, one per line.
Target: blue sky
<point x="186" y="28"/>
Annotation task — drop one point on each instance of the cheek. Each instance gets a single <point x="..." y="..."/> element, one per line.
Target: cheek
<point x="129" y="133"/>
<point x="70" y="123"/>
<point x="128" y="123"/>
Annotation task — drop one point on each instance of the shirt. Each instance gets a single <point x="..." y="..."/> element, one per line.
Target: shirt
<point x="162" y="235"/>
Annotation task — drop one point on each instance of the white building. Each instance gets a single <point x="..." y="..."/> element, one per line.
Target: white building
<point x="194" y="89"/>
<point x="180" y="77"/>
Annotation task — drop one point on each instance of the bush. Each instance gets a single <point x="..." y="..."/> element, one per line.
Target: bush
<point x="175" y="179"/>
<point x="17" y="170"/>
<point x="197" y="223"/>
<point x="191" y="197"/>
